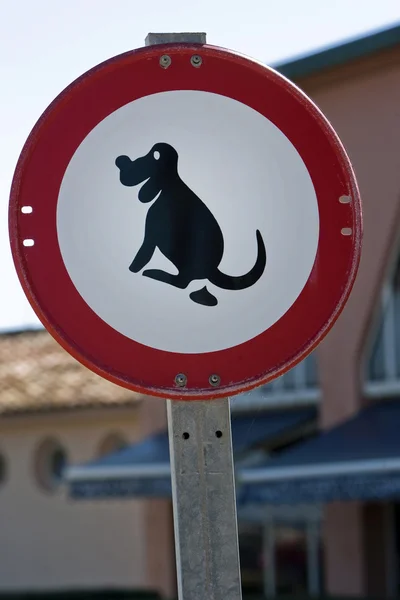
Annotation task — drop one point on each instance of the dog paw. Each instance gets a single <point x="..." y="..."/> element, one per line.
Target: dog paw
<point x="134" y="268"/>
<point x="153" y="273"/>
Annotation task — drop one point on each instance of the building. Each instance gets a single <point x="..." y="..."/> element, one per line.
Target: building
<point x="357" y="86"/>
<point x="53" y="412"/>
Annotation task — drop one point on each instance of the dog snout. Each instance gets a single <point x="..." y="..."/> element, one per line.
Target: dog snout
<point x="123" y="162"/>
<point x="131" y="171"/>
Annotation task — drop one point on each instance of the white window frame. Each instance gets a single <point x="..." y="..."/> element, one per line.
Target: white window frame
<point x="274" y="394"/>
<point x="390" y="384"/>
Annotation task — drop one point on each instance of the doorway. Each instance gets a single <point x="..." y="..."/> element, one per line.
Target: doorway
<point x="280" y="551"/>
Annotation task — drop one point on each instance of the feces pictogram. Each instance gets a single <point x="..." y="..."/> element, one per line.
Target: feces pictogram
<point x="181" y="226"/>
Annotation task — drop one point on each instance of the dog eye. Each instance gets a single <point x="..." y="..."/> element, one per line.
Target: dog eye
<point x="156" y="154"/>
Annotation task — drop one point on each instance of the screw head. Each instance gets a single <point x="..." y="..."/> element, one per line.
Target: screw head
<point x="214" y="380"/>
<point x="196" y="60"/>
<point x="181" y="380"/>
<point x="165" y="61"/>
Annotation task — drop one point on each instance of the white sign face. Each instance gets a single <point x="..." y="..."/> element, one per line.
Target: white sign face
<point x="188" y="222"/>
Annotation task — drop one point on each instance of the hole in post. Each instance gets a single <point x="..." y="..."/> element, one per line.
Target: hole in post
<point x="185" y="435"/>
<point x="26" y="210"/>
<point x="344" y="199"/>
<point x="346" y="231"/>
<point x="28" y="242"/>
<point x="218" y="433"/>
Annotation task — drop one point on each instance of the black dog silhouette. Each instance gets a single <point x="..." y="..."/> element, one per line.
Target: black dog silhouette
<point x="181" y="226"/>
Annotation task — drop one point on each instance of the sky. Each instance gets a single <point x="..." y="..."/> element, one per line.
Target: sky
<point x="46" y="44"/>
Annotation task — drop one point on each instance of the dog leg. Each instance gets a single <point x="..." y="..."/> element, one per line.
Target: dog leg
<point x="142" y="257"/>
<point x="179" y="281"/>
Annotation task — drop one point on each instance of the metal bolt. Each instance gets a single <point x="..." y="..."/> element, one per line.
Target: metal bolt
<point x="181" y="380"/>
<point x="196" y="60"/>
<point x="165" y="61"/>
<point x="214" y="380"/>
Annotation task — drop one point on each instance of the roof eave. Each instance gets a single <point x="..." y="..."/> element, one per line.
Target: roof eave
<point x="340" y="55"/>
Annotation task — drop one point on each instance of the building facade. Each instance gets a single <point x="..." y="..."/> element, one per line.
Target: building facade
<point x="54" y="412"/>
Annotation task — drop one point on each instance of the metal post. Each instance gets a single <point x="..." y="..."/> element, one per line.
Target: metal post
<point x="203" y="487"/>
<point x="203" y="493"/>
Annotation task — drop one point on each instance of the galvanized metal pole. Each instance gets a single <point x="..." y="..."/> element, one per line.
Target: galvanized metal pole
<point x="203" y="493"/>
<point x="203" y="487"/>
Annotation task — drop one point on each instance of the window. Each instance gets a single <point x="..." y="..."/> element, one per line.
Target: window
<point x="300" y="384"/>
<point x="282" y="556"/>
<point x="113" y="442"/>
<point x="383" y="366"/>
<point x="291" y="560"/>
<point x="49" y="464"/>
<point x="301" y="378"/>
<point x="3" y="469"/>
<point x="58" y="461"/>
<point x="251" y="557"/>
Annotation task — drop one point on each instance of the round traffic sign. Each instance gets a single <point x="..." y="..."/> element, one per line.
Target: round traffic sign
<point x="185" y="222"/>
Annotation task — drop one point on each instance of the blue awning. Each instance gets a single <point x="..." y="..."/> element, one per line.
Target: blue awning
<point x="143" y="469"/>
<point x="357" y="460"/>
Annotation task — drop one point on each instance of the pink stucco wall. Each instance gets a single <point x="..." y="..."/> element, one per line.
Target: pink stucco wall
<point x="362" y="101"/>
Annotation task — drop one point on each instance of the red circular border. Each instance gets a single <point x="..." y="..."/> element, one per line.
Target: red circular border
<point x="42" y="164"/>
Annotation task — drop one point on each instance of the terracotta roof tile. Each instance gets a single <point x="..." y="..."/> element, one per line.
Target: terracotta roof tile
<point x="36" y="374"/>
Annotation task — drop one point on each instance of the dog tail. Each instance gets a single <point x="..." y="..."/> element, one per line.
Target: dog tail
<point x="227" y="282"/>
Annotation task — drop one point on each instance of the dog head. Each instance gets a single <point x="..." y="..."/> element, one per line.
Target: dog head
<point x="156" y="168"/>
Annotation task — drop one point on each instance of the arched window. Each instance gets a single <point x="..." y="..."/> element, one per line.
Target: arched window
<point x="299" y="385"/>
<point x="112" y="443"/>
<point x="383" y="361"/>
<point x="50" y="462"/>
<point x="3" y="469"/>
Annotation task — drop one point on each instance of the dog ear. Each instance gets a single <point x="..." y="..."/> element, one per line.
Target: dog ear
<point x="149" y="190"/>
